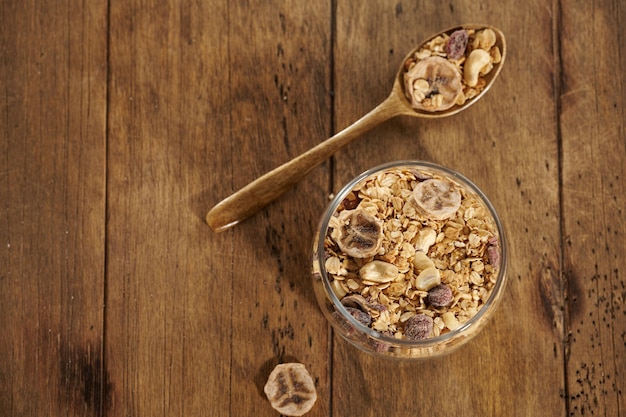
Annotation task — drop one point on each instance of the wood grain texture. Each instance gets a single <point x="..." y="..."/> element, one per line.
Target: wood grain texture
<point x="268" y="187"/>
<point x="202" y="316"/>
<point x="507" y="148"/>
<point x="52" y="199"/>
<point x="122" y="121"/>
<point x="279" y="83"/>
<point x="169" y="285"/>
<point x="593" y="97"/>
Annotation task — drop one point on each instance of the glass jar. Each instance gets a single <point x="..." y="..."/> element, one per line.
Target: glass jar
<point x="378" y="236"/>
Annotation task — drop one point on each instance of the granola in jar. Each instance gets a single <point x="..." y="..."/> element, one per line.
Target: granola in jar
<point x="412" y="254"/>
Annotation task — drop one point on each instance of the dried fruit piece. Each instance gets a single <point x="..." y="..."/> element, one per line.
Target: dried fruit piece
<point x="361" y="309"/>
<point x="360" y="302"/>
<point x="493" y="252"/>
<point x="433" y="84"/>
<point x="440" y="296"/>
<point x="381" y="347"/>
<point x="360" y="235"/>
<point x="437" y="199"/>
<point x="290" y="389"/>
<point x="361" y="316"/>
<point x="455" y="47"/>
<point x="418" y="327"/>
<point x="351" y="201"/>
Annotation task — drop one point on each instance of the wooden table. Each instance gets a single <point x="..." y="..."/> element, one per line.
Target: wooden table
<point x="123" y="122"/>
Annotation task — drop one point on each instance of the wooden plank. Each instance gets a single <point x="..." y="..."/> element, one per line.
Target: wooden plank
<point x="280" y="106"/>
<point x="169" y="289"/>
<point x="206" y="97"/>
<point x="594" y="221"/>
<point x="52" y="170"/>
<point x="506" y="146"/>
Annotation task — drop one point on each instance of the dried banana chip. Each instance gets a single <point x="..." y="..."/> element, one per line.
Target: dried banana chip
<point x="290" y="389"/>
<point x="433" y="84"/>
<point x="360" y="234"/>
<point x="437" y="199"/>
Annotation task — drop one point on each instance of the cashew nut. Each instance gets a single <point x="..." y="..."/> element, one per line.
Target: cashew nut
<point x="477" y="62"/>
<point x="427" y="279"/>
<point x="425" y="239"/>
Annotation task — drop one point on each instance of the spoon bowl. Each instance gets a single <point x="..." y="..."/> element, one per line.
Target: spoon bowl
<point x="265" y="189"/>
<point x="398" y="85"/>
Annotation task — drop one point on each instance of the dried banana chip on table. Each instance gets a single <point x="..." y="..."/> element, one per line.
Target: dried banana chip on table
<point x="290" y="389"/>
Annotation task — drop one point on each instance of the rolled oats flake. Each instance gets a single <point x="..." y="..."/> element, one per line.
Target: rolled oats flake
<point x="334" y="266"/>
<point x="352" y="285"/>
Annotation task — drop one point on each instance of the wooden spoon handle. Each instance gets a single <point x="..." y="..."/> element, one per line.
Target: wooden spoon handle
<point x="272" y="185"/>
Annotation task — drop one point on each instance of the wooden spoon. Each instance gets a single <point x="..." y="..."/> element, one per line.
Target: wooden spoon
<point x="270" y="186"/>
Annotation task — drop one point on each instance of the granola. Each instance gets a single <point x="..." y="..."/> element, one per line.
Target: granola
<point x="450" y="69"/>
<point x="437" y="254"/>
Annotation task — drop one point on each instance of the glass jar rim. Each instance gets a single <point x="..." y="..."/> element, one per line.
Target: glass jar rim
<point x="376" y="335"/>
